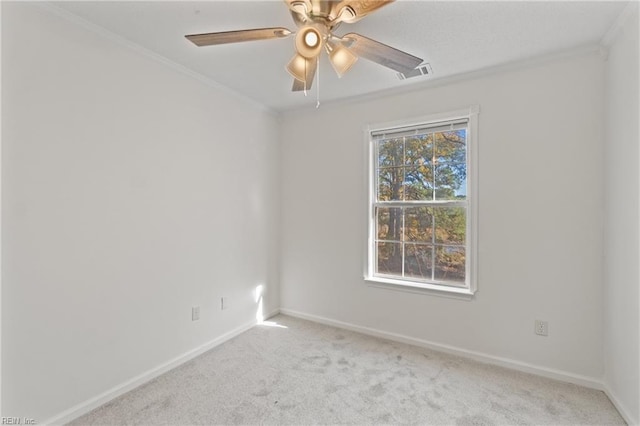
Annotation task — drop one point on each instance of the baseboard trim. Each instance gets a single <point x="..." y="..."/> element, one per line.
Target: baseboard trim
<point x="271" y="314"/>
<point x="626" y="414"/>
<point x="589" y="382"/>
<point x="95" y="402"/>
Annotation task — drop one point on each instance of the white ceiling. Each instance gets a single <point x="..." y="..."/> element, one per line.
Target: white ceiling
<point x="454" y="37"/>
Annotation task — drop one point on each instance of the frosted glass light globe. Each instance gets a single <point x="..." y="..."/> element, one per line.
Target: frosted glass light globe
<point x="311" y="39"/>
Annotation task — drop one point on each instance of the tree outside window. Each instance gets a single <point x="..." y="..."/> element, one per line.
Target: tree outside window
<point x="420" y="205"/>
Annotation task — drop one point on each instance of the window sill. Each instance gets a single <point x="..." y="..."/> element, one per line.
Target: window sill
<point x="431" y="289"/>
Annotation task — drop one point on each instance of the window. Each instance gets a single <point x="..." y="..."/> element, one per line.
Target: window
<point x="422" y="204"/>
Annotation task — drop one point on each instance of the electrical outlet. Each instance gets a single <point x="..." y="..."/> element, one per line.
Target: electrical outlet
<point x="224" y="303"/>
<point x="195" y="313"/>
<point x="542" y="328"/>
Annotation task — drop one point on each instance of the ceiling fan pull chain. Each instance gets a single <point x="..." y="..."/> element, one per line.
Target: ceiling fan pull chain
<point x="318" y="83"/>
<point x="305" y="79"/>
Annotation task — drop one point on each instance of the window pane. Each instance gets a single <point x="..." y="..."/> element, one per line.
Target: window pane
<point x="450" y="167"/>
<point x="418" y="183"/>
<point x="389" y="258"/>
<point x="418" y="224"/>
<point x="391" y="152"/>
<point x="418" y="150"/>
<point x="450" y="264"/>
<point x="418" y="261"/>
<point x="390" y="186"/>
<point x="450" y="147"/>
<point x="451" y="181"/>
<point x="389" y="223"/>
<point x="450" y="225"/>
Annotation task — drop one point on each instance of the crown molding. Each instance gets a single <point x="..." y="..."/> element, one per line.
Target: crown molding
<point x="156" y="57"/>
<point x="629" y="11"/>
<point x="435" y="82"/>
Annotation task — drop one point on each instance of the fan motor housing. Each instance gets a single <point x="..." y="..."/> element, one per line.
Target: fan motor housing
<point x="324" y="19"/>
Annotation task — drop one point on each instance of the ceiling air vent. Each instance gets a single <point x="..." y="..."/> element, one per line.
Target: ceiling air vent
<point x="421" y="70"/>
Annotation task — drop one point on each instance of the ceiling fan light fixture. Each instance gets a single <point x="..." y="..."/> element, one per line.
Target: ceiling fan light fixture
<point x="342" y="59"/>
<point x="311" y="39"/>
<point x="308" y="42"/>
<point x="297" y="67"/>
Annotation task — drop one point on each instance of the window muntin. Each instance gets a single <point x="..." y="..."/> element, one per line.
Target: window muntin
<point x="420" y="209"/>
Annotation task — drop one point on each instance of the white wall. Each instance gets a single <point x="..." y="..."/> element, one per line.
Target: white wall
<point x="621" y="249"/>
<point x="540" y="212"/>
<point x="131" y="192"/>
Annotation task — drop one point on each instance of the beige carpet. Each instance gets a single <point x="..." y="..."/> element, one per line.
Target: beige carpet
<point x="308" y="373"/>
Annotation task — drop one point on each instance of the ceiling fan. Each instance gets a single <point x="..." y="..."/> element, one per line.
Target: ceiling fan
<point x="316" y="20"/>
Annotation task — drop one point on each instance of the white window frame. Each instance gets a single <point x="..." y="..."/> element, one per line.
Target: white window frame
<point x="470" y="287"/>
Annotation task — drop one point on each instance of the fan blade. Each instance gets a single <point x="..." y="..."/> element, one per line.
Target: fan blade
<point x="353" y="10"/>
<point x="380" y="53"/>
<point x="299" y="85"/>
<point x="210" y="39"/>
